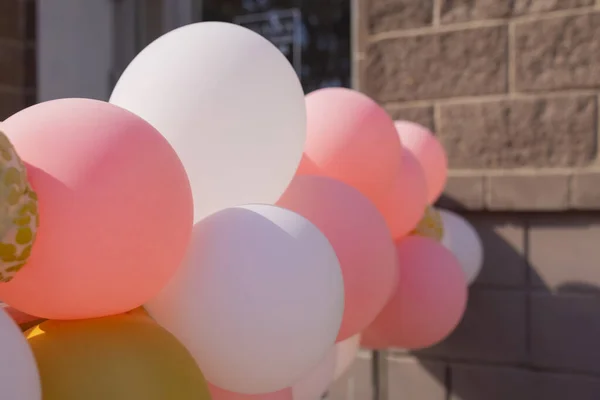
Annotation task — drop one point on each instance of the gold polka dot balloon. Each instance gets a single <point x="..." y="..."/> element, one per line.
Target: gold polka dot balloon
<point x="18" y="212"/>
<point x="430" y="226"/>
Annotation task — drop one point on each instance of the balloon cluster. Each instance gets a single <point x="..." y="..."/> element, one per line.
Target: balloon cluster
<point x="266" y="234"/>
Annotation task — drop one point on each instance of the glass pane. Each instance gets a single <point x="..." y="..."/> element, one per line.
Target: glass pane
<point x="313" y="34"/>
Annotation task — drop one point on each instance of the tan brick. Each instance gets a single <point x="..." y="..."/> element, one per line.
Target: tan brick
<point x="533" y="192"/>
<point x="558" y="53"/>
<point x="469" y="10"/>
<point x="463" y="193"/>
<point x="491" y="383"/>
<point x="564" y="331"/>
<point x="463" y="63"/>
<point x="409" y="378"/>
<point x="503" y="239"/>
<point x="389" y="15"/>
<point x="537" y="132"/>
<point x="356" y="384"/>
<point x="502" y="383"/>
<point x="420" y="115"/>
<point x="563" y="251"/>
<point x="492" y="330"/>
<point x="585" y="190"/>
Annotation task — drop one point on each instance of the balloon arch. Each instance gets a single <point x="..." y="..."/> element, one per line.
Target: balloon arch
<point x="212" y="232"/>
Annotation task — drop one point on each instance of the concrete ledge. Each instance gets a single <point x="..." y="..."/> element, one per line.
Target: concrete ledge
<point x="523" y="190"/>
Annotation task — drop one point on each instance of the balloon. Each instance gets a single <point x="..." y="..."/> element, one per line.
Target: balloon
<point x="314" y="385"/>
<point x="231" y="105"/>
<point x="337" y="361"/>
<point x="352" y="139"/>
<point x="430" y="153"/>
<point x="360" y="238"/>
<point x="429" y="302"/>
<point x="18" y="316"/>
<point x="463" y="241"/>
<point x="120" y="357"/>
<point x="19" y="377"/>
<point x="258" y="301"/>
<point x="115" y="206"/>
<point x="345" y="355"/>
<point x="431" y="225"/>
<point x="405" y="203"/>
<point x="220" y="394"/>
<point x="19" y="211"/>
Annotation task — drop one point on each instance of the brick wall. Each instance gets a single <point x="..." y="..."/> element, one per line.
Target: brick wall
<point x="532" y="327"/>
<point x="17" y="55"/>
<point x="511" y="88"/>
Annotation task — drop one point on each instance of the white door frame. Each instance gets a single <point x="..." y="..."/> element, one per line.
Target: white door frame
<point x="74" y="48"/>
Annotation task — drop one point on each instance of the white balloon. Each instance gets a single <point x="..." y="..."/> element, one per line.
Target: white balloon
<point x="230" y="104"/>
<point x="19" y="376"/>
<point x="258" y="300"/>
<point x="337" y="361"/>
<point x="462" y="239"/>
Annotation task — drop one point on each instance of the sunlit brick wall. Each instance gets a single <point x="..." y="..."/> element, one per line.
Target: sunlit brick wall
<point x="511" y="88"/>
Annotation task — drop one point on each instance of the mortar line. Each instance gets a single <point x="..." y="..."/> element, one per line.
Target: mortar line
<point x="487" y="192"/>
<point x="512" y="59"/>
<point x="598" y="124"/>
<point x="490" y="98"/>
<point x="448" y="379"/>
<point x="529" y="287"/>
<point x="437" y="117"/>
<point x="437" y="13"/>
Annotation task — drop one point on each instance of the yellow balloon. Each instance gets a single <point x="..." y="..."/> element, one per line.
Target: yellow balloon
<point x="121" y="357"/>
<point x="430" y="226"/>
<point x="18" y="212"/>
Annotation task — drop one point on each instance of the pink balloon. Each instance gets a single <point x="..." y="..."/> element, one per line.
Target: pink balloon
<point x="405" y="204"/>
<point x="115" y="205"/>
<point x="352" y="139"/>
<point x="428" y="303"/>
<point x="430" y="153"/>
<point x="360" y="238"/>
<point x="307" y="167"/>
<point x="217" y="393"/>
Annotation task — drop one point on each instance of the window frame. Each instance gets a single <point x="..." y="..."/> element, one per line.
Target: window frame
<point x="109" y="33"/>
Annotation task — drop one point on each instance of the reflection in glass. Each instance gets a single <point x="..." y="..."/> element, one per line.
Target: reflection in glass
<point x="313" y="34"/>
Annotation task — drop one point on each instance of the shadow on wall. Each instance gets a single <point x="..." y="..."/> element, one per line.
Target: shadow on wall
<point x="532" y="327"/>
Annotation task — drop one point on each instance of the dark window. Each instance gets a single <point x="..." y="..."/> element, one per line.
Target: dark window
<point x="313" y="34"/>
